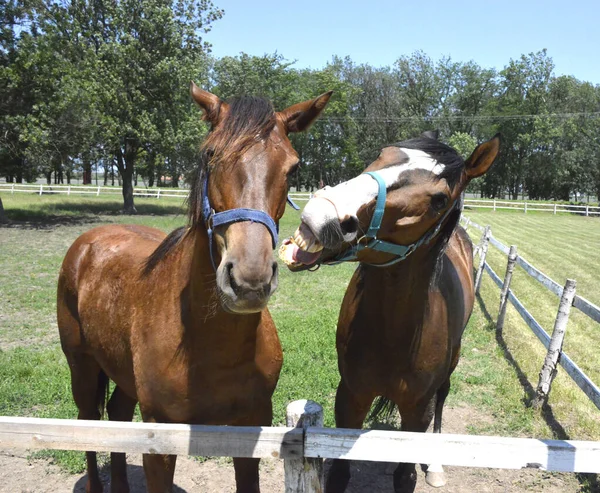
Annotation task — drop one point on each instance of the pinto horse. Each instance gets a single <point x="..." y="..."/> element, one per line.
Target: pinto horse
<point x="406" y="307"/>
<point x="180" y="322"/>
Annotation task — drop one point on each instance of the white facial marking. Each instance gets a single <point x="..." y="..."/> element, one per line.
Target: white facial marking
<point x="350" y="196"/>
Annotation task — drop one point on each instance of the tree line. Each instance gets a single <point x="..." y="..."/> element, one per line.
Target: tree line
<point x="97" y="86"/>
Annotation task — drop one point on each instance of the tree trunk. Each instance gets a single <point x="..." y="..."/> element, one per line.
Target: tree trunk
<point x="2" y="214"/>
<point x="49" y="178"/>
<point x="87" y="172"/>
<point x="125" y="165"/>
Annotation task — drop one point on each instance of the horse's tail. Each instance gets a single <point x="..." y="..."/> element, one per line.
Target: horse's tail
<point x="102" y="392"/>
<point x="382" y="410"/>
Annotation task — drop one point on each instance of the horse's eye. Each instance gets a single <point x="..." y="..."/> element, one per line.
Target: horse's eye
<point x="438" y="202"/>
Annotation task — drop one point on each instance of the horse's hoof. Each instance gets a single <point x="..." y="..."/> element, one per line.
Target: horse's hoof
<point x="435" y="476"/>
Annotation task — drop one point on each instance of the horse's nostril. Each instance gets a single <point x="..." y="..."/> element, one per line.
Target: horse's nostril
<point x="229" y="270"/>
<point x="349" y="225"/>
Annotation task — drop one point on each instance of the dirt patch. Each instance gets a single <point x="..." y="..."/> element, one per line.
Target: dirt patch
<point x="20" y="474"/>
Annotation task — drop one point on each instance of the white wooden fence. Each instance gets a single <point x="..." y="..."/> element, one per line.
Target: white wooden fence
<point x="303" y="446"/>
<point x="554" y="208"/>
<point x="553" y="344"/>
<point x="40" y="189"/>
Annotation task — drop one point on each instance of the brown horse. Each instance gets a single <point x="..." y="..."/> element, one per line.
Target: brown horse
<point x="190" y="343"/>
<point x="404" y="312"/>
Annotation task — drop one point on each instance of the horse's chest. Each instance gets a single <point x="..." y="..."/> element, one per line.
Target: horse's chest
<point x="207" y="395"/>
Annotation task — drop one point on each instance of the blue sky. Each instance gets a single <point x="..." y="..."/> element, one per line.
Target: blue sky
<point x="378" y="32"/>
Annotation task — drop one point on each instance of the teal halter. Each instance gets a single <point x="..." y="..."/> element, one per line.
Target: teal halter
<point x="370" y="242"/>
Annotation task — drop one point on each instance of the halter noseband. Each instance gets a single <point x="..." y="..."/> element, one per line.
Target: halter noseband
<point x="213" y="219"/>
<point x="370" y="242"/>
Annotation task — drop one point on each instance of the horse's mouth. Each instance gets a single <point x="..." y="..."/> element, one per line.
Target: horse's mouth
<point x="302" y="250"/>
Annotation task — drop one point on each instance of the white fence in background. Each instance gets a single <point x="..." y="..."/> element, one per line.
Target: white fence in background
<point x="554" y="208"/>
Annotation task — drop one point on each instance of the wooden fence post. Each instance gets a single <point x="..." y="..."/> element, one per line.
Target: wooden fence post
<point x="525" y="207"/>
<point x="549" y="368"/>
<point x="587" y="210"/>
<point x="483" y="248"/>
<point x="41" y="189"/>
<point x="554" y="208"/>
<point x="510" y="266"/>
<point x="304" y="475"/>
<point x="12" y="189"/>
<point x="494" y="205"/>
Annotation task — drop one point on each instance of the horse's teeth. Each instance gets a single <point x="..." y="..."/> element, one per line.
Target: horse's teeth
<point x="311" y="245"/>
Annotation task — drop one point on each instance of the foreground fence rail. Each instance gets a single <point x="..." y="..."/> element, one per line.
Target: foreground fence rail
<point x="552" y="343"/>
<point x="303" y="445"/>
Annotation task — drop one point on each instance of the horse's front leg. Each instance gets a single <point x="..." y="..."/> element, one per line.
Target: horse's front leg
<point x="350" y="412"/>
<point x="413" y="418"/>
<point x="246" y="475"/>
<point x="159" y="470"/>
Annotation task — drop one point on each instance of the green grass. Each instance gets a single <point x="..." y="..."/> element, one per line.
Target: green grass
<point x="562" y="247"/>
<point x="34" y="377"/>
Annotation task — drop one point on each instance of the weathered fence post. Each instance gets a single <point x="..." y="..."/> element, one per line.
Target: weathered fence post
<point x="494" y="205"/>
<point x="556" y="342"/>
<point x="510" y="266"/>
<point x="41" y="189"/>
<point x="69" y="190"/>
<point x="483" y="248"/>
<point x="98" y="192"/>
<point x="525" y="207"/>
<point x="12" y="189"/>
<point x="587" y="210"/>
<point x="554" y="208"/>
<point x="158" y="194"/>
<point x="304" y="475"/>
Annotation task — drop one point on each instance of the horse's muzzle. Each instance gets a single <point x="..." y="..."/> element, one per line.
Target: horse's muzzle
<point x="246" y="289"/>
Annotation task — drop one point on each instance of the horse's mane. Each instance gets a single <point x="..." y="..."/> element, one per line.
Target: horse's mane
<point x="453" y="163"/>
<point x="249" y="119"/>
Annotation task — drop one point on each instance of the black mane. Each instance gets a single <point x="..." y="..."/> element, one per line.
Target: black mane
<point x="446" y="155"/>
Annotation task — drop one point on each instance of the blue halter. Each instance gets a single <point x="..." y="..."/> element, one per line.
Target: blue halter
<point x="370" y="242"/>
<point x="213" y="219"/>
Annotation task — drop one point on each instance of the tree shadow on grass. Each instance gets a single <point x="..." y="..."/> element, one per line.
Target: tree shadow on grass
<point x="73" y="213"/>
<point x="135" y="477"/>
<point x="590" y="482"/>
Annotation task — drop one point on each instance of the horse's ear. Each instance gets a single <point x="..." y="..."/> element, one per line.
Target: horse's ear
<point x="483" y="157"/>
<point x="299" y="117"/>
<point x="431" y="134"/>
<point x="214" y="109"/>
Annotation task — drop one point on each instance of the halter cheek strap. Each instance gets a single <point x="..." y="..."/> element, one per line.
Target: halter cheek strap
<point x="372" y="243"/>
<point x="214" y="219"/>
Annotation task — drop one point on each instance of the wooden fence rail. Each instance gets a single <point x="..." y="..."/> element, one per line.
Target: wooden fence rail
<point x="309" y="444"/>
<point x="590" y="389"/>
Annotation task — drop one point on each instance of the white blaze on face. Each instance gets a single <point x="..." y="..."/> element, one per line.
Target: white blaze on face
<point x="345" y="199"/>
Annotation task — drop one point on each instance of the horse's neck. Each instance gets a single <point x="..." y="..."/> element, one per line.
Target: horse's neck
<point x="201" y="311"/>
<point x="399" y="295"/>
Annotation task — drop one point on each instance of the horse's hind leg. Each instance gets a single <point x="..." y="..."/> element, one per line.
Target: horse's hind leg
<point x="120" y="408"/>
<point x="89" y="384"/>
<point x="435" y="473"/>
<point x="350" y="412"/>
<point x="416" y="418"/>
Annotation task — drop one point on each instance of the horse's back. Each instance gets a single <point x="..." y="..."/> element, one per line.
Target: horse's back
<point x="93" y="281"/>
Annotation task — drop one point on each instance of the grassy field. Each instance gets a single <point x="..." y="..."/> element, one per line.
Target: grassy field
<point x="494" y="376"/>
